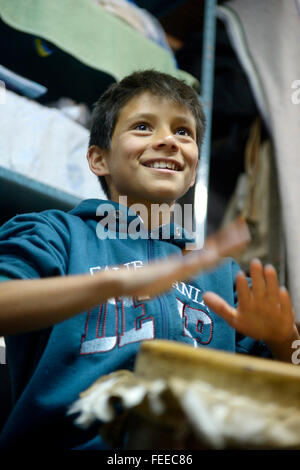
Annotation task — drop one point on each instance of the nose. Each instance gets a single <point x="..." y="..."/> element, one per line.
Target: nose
<point x="165" y="140"/>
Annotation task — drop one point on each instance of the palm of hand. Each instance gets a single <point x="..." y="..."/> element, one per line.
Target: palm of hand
<point x="264" y="310"/>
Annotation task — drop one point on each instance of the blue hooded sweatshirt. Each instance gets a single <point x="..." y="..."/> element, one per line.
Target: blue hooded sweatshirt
<point x="51" y="367"/>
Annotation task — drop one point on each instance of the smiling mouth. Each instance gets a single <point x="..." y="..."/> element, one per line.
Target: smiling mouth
<point x="162" y="165"/>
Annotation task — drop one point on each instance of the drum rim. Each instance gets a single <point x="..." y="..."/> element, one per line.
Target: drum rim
<point x="235" y="363"/>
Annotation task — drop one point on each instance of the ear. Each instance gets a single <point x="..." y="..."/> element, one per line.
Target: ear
<point x="97" y="159"/>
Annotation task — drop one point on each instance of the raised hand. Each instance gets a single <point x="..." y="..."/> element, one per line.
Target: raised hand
<point x="264" y="310"/>
<point x="158" y="276"/>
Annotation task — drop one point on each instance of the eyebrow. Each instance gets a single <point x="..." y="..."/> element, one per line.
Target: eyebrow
<point x="136" y="116"/>
<point x="178" y="117"/>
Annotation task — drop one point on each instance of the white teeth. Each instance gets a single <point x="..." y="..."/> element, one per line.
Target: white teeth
<point x="170" y="165"/>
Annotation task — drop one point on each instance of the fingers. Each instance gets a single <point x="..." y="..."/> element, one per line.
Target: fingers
<point x="221" y="307"/>
<point x="230" y="240"/>
<point x="243" y="291"/>
<point x="157" y="277"/>
<point x="286" y="303"/>
<point x="272" y="285"/>
<point x="264" y="282"/>
<point x="258" y="279"/>
<point x="200" y="261"/>
<point x="183" y="268"/>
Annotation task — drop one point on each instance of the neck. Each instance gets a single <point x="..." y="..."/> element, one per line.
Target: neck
<point x="152" y="214"/>
<point x="157" y="215"/>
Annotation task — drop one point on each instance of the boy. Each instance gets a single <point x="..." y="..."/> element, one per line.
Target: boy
<point x="71" y="315"/>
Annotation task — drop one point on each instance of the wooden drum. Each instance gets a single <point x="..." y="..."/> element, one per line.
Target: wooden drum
<point x="179" y="397"/>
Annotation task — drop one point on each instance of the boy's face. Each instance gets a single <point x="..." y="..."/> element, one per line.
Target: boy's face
<point x="154" y="154"/>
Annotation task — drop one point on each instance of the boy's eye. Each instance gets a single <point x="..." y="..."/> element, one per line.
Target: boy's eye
<point x="142" y="126"/>
<point x="184" y="131"/>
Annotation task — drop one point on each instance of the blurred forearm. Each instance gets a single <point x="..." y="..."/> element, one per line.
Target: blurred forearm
<point x="27" y="305"/>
